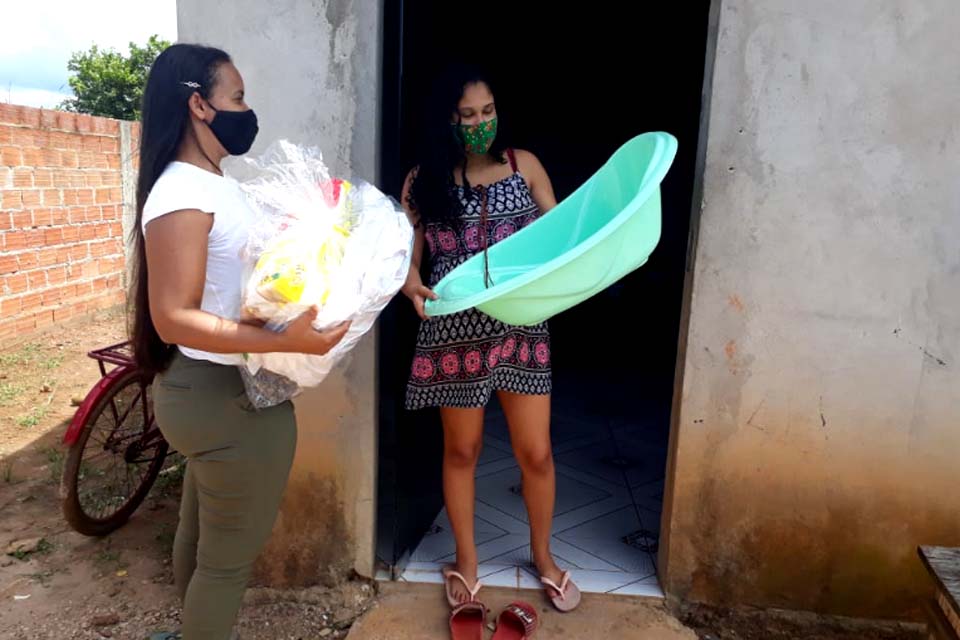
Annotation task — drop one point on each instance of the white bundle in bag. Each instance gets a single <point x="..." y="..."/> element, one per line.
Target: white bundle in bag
<point x="341" y="246"/>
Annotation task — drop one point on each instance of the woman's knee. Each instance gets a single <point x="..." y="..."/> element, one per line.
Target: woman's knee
<point x="535" y="459"/>
<point x="462" y="454"/>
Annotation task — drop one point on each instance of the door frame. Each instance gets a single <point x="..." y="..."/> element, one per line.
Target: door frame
<point x="391" y="178"/>
<point x="669" y="490"/>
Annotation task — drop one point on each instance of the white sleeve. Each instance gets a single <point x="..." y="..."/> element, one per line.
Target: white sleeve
<point x="176" y="191"/>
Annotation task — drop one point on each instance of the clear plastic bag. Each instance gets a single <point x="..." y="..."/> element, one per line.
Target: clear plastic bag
<point x="342" y="246"/>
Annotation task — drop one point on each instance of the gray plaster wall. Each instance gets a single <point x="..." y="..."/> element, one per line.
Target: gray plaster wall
<point x="312" y="73"/>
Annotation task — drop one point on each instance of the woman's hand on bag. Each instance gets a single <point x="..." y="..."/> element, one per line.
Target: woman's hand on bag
<point x="301" y="337"/>
<point x="418" y="294"/>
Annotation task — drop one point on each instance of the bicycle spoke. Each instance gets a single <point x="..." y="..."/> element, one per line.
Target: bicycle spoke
<point x="126" y="413"/>
<point x="127" y="483"/>
<point x="97" y="456"/>
<point x="120" y="453"/>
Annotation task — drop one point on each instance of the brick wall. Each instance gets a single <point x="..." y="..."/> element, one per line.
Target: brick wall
<point x="61" y="212"/>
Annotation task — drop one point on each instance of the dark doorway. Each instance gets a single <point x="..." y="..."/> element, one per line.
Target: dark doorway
<point x="574" y="82"/>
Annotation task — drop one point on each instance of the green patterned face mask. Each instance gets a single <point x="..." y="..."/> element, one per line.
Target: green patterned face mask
<point x="478" y="138"/>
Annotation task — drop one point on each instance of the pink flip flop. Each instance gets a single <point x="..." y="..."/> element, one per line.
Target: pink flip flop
<point x="449" y="574"/>
<point x="518" y="621"/>
<point x="565" y="596"/>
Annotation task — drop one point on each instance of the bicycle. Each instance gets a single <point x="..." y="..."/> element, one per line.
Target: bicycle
<point x="116" y="451"/>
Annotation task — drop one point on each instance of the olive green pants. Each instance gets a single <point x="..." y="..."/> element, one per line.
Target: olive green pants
<point x="238" y="463"/>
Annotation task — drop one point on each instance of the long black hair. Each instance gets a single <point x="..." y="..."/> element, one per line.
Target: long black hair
<point x="164" y="123"/>
<point x="441" y="150"/>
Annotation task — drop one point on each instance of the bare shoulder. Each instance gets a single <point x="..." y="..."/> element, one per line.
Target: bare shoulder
<point x="530" y="167"/>
<point x="536" y="178"/>
<point x="527" y="161"/>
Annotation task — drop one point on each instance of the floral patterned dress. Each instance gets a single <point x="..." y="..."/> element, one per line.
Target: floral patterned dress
<point x="463" y="358"/>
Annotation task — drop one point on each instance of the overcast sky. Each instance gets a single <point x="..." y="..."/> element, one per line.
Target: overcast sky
<point x="39" y="36"/>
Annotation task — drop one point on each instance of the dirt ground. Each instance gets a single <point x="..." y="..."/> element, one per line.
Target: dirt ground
<point x="755" y="624"/>
<point x="121" y="586"/>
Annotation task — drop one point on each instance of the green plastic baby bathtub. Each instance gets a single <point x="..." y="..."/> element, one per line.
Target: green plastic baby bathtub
<point x="603" y="231"/>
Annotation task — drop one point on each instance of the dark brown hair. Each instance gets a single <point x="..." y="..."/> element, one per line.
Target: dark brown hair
<point x="177" y="73"/>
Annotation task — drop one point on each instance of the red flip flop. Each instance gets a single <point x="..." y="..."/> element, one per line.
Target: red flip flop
<point x="467" y="620"/>
<point x="518" y="621"/>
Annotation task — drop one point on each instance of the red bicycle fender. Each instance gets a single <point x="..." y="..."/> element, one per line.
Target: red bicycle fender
<point x="83" y="411"/>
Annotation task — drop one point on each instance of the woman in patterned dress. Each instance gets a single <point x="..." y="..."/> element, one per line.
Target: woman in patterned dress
<point x="468" y="192"/>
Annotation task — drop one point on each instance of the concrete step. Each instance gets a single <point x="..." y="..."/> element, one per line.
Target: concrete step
<point x="409" y="611"/>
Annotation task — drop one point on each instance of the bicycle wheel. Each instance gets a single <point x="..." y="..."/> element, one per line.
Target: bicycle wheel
<point x="115" y="460"/>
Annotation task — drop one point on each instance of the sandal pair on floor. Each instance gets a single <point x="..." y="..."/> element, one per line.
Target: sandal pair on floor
<point x="518" y="621"/>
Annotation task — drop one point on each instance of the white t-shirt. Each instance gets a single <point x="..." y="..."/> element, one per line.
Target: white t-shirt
<point x="186" y="186"/>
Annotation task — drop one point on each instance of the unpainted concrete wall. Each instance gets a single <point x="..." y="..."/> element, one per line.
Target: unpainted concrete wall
<point x="817" y="439"/>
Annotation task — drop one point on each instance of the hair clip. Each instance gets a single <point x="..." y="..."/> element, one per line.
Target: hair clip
<point x="191" y="84"/>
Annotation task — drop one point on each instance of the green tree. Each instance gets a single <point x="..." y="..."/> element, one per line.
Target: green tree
<point x="108" y="83"/>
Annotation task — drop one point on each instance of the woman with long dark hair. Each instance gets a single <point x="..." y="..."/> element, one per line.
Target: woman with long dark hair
<point x="192" y="225"/>
<point x="468" y="191"/>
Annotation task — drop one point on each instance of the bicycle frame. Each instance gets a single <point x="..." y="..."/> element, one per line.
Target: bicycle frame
<point x="117" y="354"/>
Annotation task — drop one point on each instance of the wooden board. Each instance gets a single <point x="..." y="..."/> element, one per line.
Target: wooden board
<point x="944" y="565"/>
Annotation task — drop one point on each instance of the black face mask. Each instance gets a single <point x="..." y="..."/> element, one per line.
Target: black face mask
<point x="235" y="130"/>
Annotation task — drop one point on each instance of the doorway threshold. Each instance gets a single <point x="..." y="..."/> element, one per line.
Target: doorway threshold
<point x="522" y="577"/>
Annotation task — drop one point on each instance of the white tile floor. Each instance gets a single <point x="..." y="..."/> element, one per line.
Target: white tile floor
<point x="607" y="518"/>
